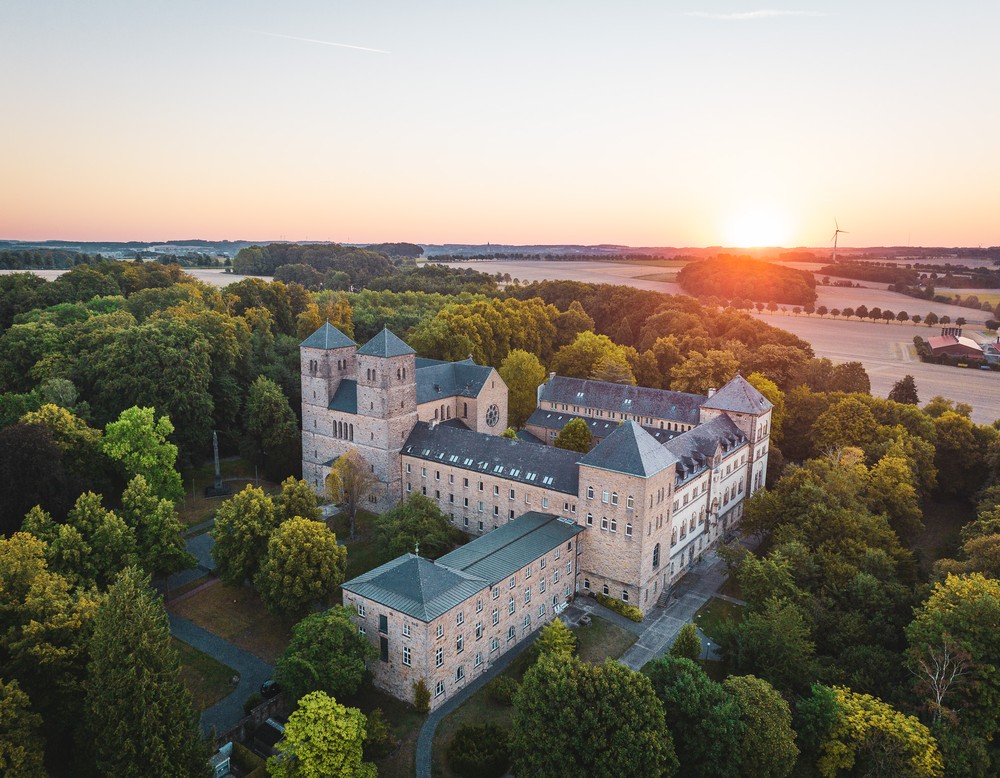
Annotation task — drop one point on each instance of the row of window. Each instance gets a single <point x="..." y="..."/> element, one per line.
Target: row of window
<point x="648" y="421"/>
<point x="611" y="498"/>
<point x="609" y="525"/>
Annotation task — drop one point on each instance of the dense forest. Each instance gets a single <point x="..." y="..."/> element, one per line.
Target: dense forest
<point x="730" y="277"/>
<point x="881" y="649"/>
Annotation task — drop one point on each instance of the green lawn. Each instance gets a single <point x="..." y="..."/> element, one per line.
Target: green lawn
<point x="715" y="614"/>
<point x="941" y="536"/>
<point x="196" y="507"/>
<point x="595" y="643"/>
<point x="207" y="679"/>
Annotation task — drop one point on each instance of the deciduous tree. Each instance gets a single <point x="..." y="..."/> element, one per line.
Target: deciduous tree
<point x="298" y="499"/>
<point x="243" y="525"/>
<point x="575" y="436"/>
<point x="326" y="654"/>
<point x="303" y="567"/>
<point x="523" y="374"/>
<point x="138" y="441"/>
<point x="767" y="743"/>
<point x="158" y="530"/>
<point x="323" y="739"/>
<point x="22" y="747"/>
<point x="416" y="522"/>
<point x="701" y="372"/>
<point x="556" y="638"/>
<point x="904" y="391"/>
<point x="687" y="644"/>
<point x="350" y="481"/>
<point x="576" y="718"/>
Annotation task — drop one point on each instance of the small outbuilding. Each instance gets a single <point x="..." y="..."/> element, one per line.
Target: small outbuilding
<point x="955" y="346"/>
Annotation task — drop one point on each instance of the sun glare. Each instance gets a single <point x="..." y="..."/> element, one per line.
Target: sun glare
<point x="759" y="226"/>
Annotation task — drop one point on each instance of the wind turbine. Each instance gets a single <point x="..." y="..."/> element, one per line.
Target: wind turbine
<point x="836" y="232"/>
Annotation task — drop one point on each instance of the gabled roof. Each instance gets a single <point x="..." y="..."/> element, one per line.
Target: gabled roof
<point x="693" y="448"/>
<point x="385" y="344"/>
<point x="438" y="380"/>
<point x="345" y="399"/>
<point x="327" y="337"/>
<point x="416" y="586"/>
<point x="632" y="450"/>
<point x="514" y="460"/>
<point x="599" y="428"/>
<point x="499" y="554"/>
<point x="621" y="398"/>
<point x="738" y="396"/>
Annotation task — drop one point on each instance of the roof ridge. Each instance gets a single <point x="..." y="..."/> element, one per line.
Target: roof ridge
<point x="552" y="517"/>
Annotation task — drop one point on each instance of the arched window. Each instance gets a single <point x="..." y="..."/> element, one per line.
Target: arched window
<point x="351" y="433"/>
<point x="435" y="413"/>
<point x="465" y="410"/>
<point x="449" y="413"/>
<point x="656" y="556"/>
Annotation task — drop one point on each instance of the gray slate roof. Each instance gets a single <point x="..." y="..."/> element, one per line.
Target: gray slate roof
<point x="630" y="449"/>
<point x="620" y="398"/>
<point x="514" y="460"/>
<point x="496" y="556"/>
<point x="692" y="448"/>
<point x="438" y="380"/>
<point x="327" y="337"/>
<point x="599" y="428"/>
<point x="739" y="396"/>
<point x="416" y="586"/>
<point x="345" y="399"/>
<point x="385" y="344"/>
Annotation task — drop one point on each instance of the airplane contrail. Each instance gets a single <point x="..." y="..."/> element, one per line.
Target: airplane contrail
<point x="324" y="43"/>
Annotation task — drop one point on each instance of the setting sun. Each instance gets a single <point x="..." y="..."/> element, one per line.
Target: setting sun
<point x="757" y="226"/>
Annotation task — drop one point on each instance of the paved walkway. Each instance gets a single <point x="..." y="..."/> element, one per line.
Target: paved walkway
<point x="251" y="670"/>
<point x="425" y="740"/>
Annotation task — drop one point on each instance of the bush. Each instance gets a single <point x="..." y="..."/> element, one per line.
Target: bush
<point x="502" y="689"/>
<point x="252" y="702"/>
<point x="993" y="324"/>
<point x="421" y="697"/>
<point x="379" y="740"/>
<point x="626" y="610"/>
<point x="478" y="751"/>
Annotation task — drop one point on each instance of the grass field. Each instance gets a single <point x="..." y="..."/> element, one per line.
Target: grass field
<point x="665" y="276"/>
<point x="207" y="679"/>
<point x="196" y="507"/>
<point x="595" y="643"/>
<point x="236" y="615"/>
<point x="943" y="522"/>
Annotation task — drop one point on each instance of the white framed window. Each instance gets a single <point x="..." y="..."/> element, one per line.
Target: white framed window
<point x="440" y="631"/>
<point x="541" y="586"/>
<point x="460" y="618"/>
<point x="614" y="498"/>
<point x="590" y="491"/>
<point x="496" y="490"/>
<point x="630" y="502"/>
<point x="555" y="577"/>
<point x="479" y="658"/>
<point x="527" y="572"/>
<point x="545" y="502"/>
<point x="406" y="655"/>
<point x="408" y="467"/>
<point x="496" y="592"/>
<point x="604" y="522"/>
<point x="527" y="596"/>
<point x="438" y="657"/>
<point x="604" y="496"/>
<point x="439" y="689"/>
<point x="541" y="610"/>
<point x="459" y="673"/>
<point x="494" y="644"/>
<point x="586" y="584"/>
<point x="511" y="494"/>
<point x="624" y="596"/>
<point x="496" y="616"/>
<point x="423" y="472"/>
<point x="527" y="621"/>
<point x="606" y="590"/>
<point x="479" y="630"/>
<point x="361" y="610"/>
<point x="542" y="563"/>
<point x="511" y="605"/>
<point x="590" y="519"/>
<point x="406" y="629"/>
<point x="460" y="644"/>
<point x="628" y="530"/>
<point x="511" y="633"/>
<point x="569" y="568"/>
<point x="512" y="582"/>
<point x="479" y="605"/>
<point x="362" y="631"/>
<point x="614" y="525"/>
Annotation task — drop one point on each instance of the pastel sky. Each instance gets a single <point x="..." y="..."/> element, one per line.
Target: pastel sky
<point x="641" y="123"/>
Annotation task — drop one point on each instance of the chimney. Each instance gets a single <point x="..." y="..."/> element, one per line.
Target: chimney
<point x="432" y="423"/>
<point x="711" y="391"/>
<point x="552" y="375"/>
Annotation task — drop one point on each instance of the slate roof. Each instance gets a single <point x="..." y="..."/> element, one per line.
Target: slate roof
<point x="496" y="556"/>
<point x="738" y="396"/>
<point x="438" y="380"/>
<point x="385" y="344"/>
<point x="416" y="586"/>
<point x="327" y="337"/>
<point x="514" y="460"/>
<point x="599" y="428"/>
<point x="693" y="448"/>
<point x="345" y="399"/>
<point x="632" y="450"/>
<point x="620" y="398"/>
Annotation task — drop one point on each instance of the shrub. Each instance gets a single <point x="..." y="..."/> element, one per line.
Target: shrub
<point x="379" y="740"/>
<point x="478" y="751"/>
<point x="992" y="324"/>
<point x="252" y="702"/>
<point x="421" y="697"/>
<point x="502" y="689"/>
<point x="626" y="610"/>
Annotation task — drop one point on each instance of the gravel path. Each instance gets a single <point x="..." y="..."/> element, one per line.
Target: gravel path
<point x="251" y="670"/>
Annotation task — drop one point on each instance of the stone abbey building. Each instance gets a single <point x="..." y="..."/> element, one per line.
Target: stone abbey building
<point x="668" y="476"/>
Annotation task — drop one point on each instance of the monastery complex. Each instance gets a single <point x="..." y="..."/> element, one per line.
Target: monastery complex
<point x="666" y="479"/>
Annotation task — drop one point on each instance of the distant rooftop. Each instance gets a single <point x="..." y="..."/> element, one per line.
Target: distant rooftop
<point x="515" y="460"/>
<point x="739" y="396"/>
<point x="621" y="398"/>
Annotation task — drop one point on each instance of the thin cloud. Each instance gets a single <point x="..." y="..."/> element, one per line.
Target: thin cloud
<point x="324" y="43"/>
<point x="763" y="13"/>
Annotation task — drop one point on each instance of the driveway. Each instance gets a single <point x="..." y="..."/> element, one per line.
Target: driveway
<point x="252" y="671"/>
